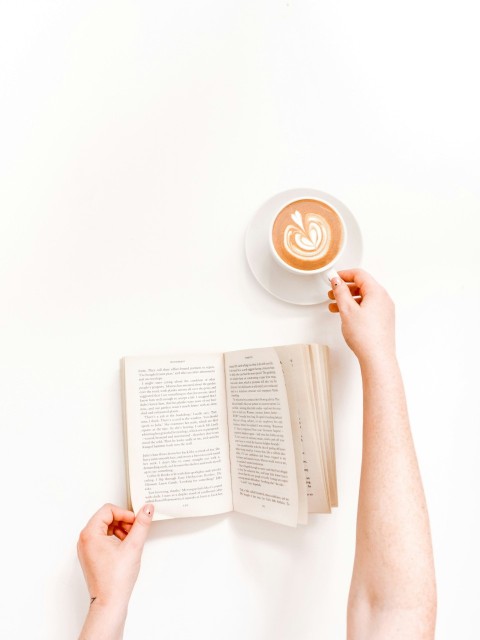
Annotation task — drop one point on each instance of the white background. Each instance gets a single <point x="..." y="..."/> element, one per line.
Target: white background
<point x="137" y="139"/>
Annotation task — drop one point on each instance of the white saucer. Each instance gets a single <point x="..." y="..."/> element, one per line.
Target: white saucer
<point x="287" y="286"/>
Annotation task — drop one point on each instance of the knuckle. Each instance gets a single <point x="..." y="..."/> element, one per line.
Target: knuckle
<point x="135" y="543"/>
<point x="84" y="535"/>
<point x="84" y="538"/>
<point x="388" y="299"/>
<point x="350" y="309"/>
<point x="141" y="523"/>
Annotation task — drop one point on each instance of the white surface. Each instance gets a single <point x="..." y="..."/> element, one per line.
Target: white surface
<point x="297" y="288"/>
<point x="137" y="140"/>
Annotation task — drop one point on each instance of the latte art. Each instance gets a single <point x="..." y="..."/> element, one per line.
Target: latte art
<point x="308" y="238"/>
<point x="308" y="234"/>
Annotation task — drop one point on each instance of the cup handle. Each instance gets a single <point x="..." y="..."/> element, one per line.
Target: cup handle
<point x="331" y="273"/>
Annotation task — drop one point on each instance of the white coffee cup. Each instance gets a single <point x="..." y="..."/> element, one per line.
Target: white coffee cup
<point x="308" y="233"/>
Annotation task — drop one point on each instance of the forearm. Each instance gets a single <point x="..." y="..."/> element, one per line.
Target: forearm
<point x="104" y="622"/>
<point x="393" y="563"/>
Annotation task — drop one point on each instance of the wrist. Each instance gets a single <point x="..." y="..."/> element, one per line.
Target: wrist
<point x="378" y="361"/>
<point x="115" y="609"/>
<point x="113" y="612"/>
<point x="105" y="620"/>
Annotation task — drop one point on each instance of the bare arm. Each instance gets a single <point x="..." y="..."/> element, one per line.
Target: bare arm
<point x="110" y="549"/>
<point x="392" y="593"/>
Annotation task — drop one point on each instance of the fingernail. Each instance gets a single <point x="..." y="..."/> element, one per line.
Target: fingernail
<point x="148" y="510"/>
<point x="335" y="282"/>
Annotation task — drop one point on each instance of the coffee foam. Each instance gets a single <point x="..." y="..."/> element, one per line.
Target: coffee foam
<point x="308" y="234"/>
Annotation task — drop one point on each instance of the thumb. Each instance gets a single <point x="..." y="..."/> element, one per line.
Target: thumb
<point x="342" y="295"/>
<point x="138" y="533"/>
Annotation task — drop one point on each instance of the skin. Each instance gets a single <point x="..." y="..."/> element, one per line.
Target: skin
<point x="110" y="550"/>
<point x="392" y="593"/>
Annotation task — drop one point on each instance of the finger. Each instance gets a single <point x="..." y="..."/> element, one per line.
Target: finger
<point x="106" y="515"/>
<point x="119" y="533"/>
<point x="333" y="307"/>
<point x="362" y="279"/>
<point x="343" y="297"/>
<point x="354" y="290"/>
<point x="116" y="525"/>
<point x="140" y="528"/>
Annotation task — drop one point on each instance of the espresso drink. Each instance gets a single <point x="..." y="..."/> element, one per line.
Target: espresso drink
<point x="308" y="234"/>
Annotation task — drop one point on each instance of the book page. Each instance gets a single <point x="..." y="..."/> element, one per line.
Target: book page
<point x="288" y="356"/>
<point x="262" y="458"/>
<point x="323" y="402"/>
<point x="177" y="435"/>
<point x="309" y="424"/>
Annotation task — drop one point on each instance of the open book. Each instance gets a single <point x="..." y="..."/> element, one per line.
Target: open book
<point x="248" y="431"/>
